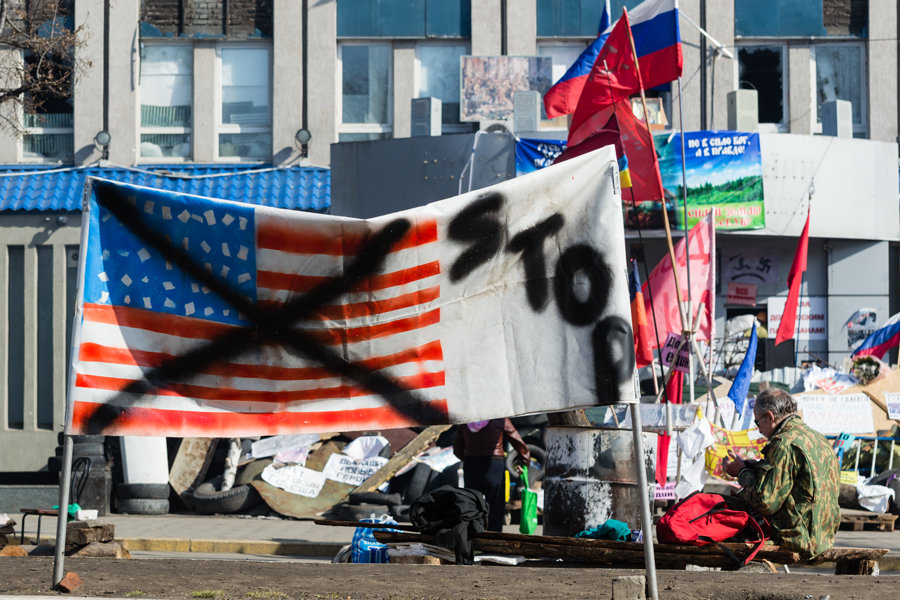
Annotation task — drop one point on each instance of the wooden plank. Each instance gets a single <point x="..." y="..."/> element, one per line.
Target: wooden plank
<point x="600" y="550"/>
<point x="402" y="458"/>
<point x="191" y="463"/>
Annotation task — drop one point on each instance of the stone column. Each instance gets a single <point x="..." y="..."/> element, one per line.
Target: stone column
<point x="287" y="79"/>
<point x="321" y="80"/>
<point x="123" y="73"/>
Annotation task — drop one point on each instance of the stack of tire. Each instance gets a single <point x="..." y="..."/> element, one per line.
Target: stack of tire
<point x="145" y="490"/>
<point x="365" y="505"/>
<point x="90" y="477"/>
<point x="87" y="446"/>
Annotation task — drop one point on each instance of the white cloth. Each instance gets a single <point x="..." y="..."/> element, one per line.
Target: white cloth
<point x="365" y="447"/>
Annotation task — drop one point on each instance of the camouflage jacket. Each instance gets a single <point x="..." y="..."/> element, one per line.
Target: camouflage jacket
<point x="796" y="487"/>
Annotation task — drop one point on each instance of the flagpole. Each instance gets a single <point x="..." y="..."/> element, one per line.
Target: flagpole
<point x="687" y="254"/>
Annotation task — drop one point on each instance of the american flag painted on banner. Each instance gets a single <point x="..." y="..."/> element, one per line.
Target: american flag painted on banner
<point x="141" y="311"/>
<point x="204" y="317"/>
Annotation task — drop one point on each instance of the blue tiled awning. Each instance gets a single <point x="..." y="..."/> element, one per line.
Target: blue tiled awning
<point x="48" y="189"/>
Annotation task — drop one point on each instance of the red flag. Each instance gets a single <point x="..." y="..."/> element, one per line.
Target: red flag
<point x="614" y="77"/>
<point x="616" y="124"/>
<point x="703" y="280"/>
<point x="789" y="318"/>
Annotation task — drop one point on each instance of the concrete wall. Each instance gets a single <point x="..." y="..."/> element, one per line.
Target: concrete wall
<point x="88" y="109"/>
<point x="882" y="66"/>
<point x="287" y="79"/>
<point x="39" y="310"/>
<point x="321" y="79"/>
<point x="404" y="87"/>
<point x="801" y="81"/>
<point x="10" y="112"/>
<point x="205" y="120"/>
<point x="521" y="27"/>
<point x="123" y="73"/>
<point x="486" y="38"/>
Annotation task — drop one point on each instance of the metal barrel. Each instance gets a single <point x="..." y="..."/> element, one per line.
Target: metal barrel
<point x="590" y="477"/>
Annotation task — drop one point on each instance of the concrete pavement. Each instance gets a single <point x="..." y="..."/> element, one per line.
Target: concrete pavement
<point x="267" y="537"/>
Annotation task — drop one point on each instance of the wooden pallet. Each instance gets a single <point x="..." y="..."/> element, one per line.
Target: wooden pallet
<point x="859" y="519"/>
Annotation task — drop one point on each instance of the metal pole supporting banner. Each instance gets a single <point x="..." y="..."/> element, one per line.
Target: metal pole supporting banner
<point x="65" y="478"/>
<point x="644" y="492"/>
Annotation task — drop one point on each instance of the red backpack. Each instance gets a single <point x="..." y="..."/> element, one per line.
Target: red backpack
<point x="701" y="519"/>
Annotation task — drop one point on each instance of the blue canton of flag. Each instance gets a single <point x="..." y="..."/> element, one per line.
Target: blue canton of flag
<point x="218" y="235"/>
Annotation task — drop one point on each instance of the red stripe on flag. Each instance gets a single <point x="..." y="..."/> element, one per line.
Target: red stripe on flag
<point x="186" y="327"/>
<point x="149" y="421"/>
<point x="365" y="309"/>
<point x="89" y="352"/>
<point x="189" y="327"/>
<point x="303" y="283"/>
<point x="350" y="335"/>
<point x="186" y="390"/>
<point x="347" y="241"/>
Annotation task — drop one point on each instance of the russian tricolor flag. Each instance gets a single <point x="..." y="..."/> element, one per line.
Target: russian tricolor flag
<point x="881" y="340"/>
<point x="657" y="40"/>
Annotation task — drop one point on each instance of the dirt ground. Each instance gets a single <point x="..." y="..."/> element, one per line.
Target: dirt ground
<point x="220" y="579"/>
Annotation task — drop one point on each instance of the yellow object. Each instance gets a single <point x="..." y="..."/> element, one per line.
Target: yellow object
<point x="506" y="486"/>
<point x="849" y="477"/>
<point x="739" y="441"/>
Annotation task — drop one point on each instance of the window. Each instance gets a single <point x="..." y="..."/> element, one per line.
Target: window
<point x="573" y="18"/>
<point x="562" y="55"/>
<point x="439" y="78"/>
<point x="49" y="115"/>
<point x="409" y="19"/>
<point x="245" y="123"/>
<point x="166" y="101"/>
<point x="365" y="92"/>
<point x="762" y="68"/>
<point x="840" y="75"/>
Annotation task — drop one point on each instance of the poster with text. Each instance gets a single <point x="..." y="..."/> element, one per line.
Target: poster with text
<point x="812" y="316"/>
<point x="723" y="170"/>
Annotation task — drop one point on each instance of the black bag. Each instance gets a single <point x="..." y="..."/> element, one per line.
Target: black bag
<point x="452" y="514"/>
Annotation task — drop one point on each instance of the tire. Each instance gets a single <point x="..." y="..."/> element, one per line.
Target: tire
<point x="379" y="498"/>
<point x="54" y="464"/>
<point x="150" y="491"/>
<point x="80" y="439"/>
<point x="356" y="512"/>
<point x="421" y="475"/>
<point x="208" y="500"/>
<point x="535" y="467"/>
<point x="142" y="506"/>
<point x="86" y="449"/>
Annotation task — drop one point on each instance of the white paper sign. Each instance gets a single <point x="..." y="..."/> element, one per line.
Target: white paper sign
<point x="893" y="404"/>
<point x="282" y="443"/>
<point x="812" y="314"/>
<point x="839" y="413"/>
<point x="344" y="469"/>
<point x="295" y="479"/>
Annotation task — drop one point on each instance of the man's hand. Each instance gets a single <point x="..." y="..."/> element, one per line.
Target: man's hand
<point x="734" y="464"/>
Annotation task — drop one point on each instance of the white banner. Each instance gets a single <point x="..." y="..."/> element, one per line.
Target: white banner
<point x="812" y="314"/>
<point x="836" y="414"/>
<point x="201" y="317"/>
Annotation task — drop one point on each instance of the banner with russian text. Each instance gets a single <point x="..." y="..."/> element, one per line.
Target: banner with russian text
<point x="723" y="170"/>
<point x="203" y="317"/>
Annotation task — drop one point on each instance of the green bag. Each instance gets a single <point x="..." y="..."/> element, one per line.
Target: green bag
<point x="528" y="519"/>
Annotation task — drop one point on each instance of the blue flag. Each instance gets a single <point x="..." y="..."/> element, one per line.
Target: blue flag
<point x="741" y="384"/>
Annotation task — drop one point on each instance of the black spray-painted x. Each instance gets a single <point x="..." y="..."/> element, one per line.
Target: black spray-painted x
<point x="267" y="325"/>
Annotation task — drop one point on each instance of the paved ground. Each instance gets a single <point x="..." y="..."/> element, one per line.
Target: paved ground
<point x="206" y="536"/>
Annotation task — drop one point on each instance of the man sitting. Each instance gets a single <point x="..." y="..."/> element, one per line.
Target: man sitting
<point x="796" y="484"/>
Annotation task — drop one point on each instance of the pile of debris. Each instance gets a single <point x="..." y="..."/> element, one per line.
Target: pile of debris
<point x="88" y="538"/>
